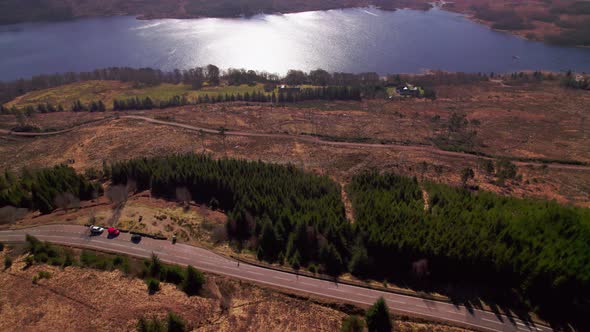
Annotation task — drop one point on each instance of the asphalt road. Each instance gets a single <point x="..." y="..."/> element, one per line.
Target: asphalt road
<point x="205" y="260"/>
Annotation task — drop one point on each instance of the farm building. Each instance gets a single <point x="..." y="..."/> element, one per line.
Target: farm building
<point x="289" y="89"/>
<point x="409" y="91"/>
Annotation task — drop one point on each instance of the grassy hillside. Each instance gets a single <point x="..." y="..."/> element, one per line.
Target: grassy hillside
<point x="107" y="91"/>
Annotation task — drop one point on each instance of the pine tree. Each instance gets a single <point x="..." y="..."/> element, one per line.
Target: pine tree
<point x="175" y="323"/>
<point x="193" y="282"/>
<point x="378" y="318"/>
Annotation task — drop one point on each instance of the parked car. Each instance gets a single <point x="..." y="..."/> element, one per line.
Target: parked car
<point x="135" y="238"/>
<point x="113" y="231"/>
<point x="96" y="230"/>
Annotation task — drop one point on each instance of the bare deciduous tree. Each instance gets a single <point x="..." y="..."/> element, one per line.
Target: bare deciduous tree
<point x="8" y="215"/>
<point x="420" y="268"/>
<point x="117" y="194"/>
<point x="183" y="196"/>
<point x="66" y="201"/>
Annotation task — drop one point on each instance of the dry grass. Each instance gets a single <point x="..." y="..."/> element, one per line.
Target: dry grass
<point x="89" y="300"/>
<point x="107" y="91"/>
<point x="539" y="120"/>
<point x="67" y="94"/>
<point x="194" y="225"/>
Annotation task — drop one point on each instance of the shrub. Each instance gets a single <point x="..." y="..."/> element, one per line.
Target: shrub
<point x="352" y="324"/>
<point x="69" y="259"/>
<point x="153" y="285"/>
<point x="33" y="243"/>
<point x="313" y="268"/>
<point x="44" y="275"/>
<point x="377" y="317"/>
<point x="87" y="258"/>
<point x="175" y="323"/>
<point x="150" y="325"/>
<point x="29" y="260"/>
<point x="1" y="246"/>
<point x="7" y="262"/>
<point x="57" y="261"/>
<point x="194" y="281"/>
<point x="125" y="267"/>
<point x="118" y="260"/>
<point x="156" y="269"/>
<point x="174" y="275"/>
<point x="41" y="257"/>
<point x="505" y="170"/>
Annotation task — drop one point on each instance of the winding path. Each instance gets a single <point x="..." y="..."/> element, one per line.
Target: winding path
<point x="317" y="140"/>
<point x="205" y="260"/>
<point x="302" y="138"/>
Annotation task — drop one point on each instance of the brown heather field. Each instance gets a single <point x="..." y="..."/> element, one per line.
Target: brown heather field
<point x="533" y="120"/>
<point x="80" y="299"/>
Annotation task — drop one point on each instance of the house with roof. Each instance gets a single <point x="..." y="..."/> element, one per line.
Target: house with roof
<point x="409" y="90"/>
<point x="289" y="89"/>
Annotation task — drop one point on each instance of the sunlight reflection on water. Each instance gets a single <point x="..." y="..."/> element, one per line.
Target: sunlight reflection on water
<point x="350" y="40"/>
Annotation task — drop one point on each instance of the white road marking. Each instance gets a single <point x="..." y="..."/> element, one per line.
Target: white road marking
<point x="367" y="296"/>
<point x="281" y="278"/>
<point x="337" y="290"/>
<point x="203" y="255"/>
<point x="308" y="284"/>
<point x="492" y="321"/>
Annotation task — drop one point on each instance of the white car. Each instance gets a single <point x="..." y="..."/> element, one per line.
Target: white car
<point x="96" y="229"/>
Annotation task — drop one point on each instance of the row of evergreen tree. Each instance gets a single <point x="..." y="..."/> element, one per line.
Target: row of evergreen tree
<point x="46" y="189"/>
<point x="77" y="106"/>
<point x="139" y="104"/>
<point x="280" y="212"/>
<point x="299" y="218"/>
<point x="539" y="248"/>
<point x="93" y="106"/>
<point x="369" y="83"/>
<point x="323" y="93"/>
<point x="147" y="103"/>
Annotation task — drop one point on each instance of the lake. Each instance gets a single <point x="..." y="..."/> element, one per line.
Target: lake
<point x="347" y="40"/>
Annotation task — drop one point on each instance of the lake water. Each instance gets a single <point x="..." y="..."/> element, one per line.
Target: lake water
<point x="348" y="40"/>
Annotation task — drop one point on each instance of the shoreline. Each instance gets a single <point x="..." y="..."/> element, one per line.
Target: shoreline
<point x="438" y="5"/>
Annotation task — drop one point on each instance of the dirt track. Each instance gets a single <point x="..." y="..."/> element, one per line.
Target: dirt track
<point x="302" y="138"/>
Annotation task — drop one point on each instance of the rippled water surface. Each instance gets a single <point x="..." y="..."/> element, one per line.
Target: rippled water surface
<point x="349" y="40"/>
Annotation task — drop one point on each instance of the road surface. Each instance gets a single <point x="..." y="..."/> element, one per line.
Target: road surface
<point x="205" y="260"/>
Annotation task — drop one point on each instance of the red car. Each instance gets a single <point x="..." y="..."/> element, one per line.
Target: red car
<point x="113" y="231"/>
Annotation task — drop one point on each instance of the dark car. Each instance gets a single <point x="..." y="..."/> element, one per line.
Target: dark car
<point x="135" y="238"/>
